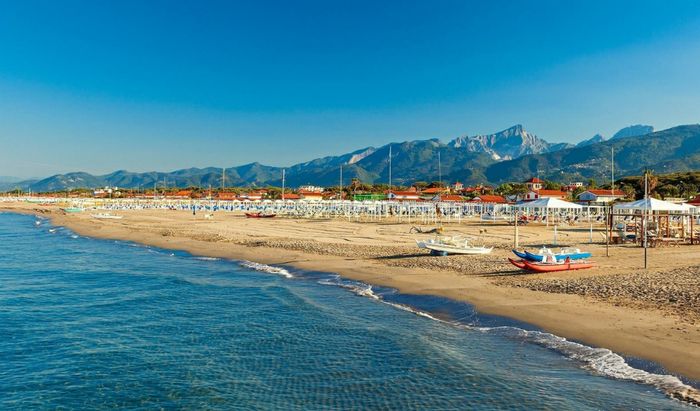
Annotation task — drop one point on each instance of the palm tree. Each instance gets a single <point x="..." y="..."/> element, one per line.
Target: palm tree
<point x="652" y="181"/>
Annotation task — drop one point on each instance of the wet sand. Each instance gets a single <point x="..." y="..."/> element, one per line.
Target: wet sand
<point x="616" y="305"/>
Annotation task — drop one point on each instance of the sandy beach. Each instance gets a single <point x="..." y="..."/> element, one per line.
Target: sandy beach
<point x="652" y="314"/>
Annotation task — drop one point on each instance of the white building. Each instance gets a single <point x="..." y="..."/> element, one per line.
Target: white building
<point x="600" y="197"/>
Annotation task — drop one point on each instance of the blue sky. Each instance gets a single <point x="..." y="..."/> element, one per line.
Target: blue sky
<point x="160" y="85"/>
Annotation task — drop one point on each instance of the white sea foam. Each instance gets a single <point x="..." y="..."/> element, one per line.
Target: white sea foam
<point x="601" y="361"/>
<point x="207" y="258"/>
<point x="607" y="363"/>
<point x="267" y="268"/>
<point x="74" y="236"/>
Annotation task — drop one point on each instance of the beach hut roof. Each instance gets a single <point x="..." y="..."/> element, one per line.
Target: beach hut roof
<point x="650" y="204"/>
<point x="549" y="203"/>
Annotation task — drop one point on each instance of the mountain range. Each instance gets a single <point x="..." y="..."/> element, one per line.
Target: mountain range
<point x="513" y="154"/>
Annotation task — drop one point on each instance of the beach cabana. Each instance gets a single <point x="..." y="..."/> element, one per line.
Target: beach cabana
<point x="545" y="205"/>
<point x="659" y="211"/>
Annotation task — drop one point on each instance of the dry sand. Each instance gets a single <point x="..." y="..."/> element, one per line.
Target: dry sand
<point x="652" y="314"/>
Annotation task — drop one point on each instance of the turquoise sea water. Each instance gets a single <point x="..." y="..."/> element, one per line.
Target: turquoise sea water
<point x="96" y="324"/>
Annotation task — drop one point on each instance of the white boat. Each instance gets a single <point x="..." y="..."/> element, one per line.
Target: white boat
<point x="452" y="245"/>
<point x="491" y="217"/>
<point x="106" y="216"/>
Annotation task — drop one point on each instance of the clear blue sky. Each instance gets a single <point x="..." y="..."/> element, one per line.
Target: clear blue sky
<point x="160" y="85"/>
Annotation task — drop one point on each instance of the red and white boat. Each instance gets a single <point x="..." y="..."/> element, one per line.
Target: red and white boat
<point x="548" y="267"/>
<point x="259" y="215"/>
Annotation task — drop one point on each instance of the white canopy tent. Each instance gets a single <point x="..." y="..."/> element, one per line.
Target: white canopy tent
<point x="650" y="204"/>
<point x="549" y="204"/>
<point x="545" y="204"/>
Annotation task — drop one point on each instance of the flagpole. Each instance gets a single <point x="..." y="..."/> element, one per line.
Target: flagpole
<point x="646" y="222"/>
<point x="389" y="168"/>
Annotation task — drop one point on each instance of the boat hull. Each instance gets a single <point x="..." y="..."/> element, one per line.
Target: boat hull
<point x="548" y="268"/>
<point x="258" y="215"/>
<point x="457" y="250"/>
<point x="517" y="263"/>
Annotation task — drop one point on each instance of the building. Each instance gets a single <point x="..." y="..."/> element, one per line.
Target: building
<point x="457" y="187"/>
<point x="599" y="197"/>
<point x="411" y="195"/>
<point x="310" y="195"/>
<point x="534" y="184"/>
<point x="695" y="201"/>
<point x="478" y="189"/>
<point x="311" y="189"/>
<point x="489" y="198"/>
<point x="537" y="194"/>
<point x="433" y="193"/>
<point x="226" y="196"/>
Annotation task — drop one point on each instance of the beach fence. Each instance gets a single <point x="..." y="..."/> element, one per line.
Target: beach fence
<point x="415" y="212"/>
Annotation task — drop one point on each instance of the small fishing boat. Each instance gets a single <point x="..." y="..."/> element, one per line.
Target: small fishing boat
<point x="451" y="245"/>
<point x="563" y="254"/>
<point x="106" y="216"/>
<point x="551" y="266"/>
<point x="259" y="215"/>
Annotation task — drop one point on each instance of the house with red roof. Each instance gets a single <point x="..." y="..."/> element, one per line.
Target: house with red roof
<point x="695" y="201"/>
<point x="534" y="184"/>
<point x="410" y="195"/>
<point x="600" y="197"/>
<point x="489" y="198"/>
<point x="226" y="196"/>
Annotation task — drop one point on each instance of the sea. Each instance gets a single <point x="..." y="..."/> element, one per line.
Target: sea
<point x="100" y="324"/>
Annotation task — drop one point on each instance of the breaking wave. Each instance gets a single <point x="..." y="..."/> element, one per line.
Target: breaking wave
<point x="266" y="268"/>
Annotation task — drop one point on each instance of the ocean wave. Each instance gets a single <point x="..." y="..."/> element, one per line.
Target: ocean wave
<point x="207" y="258"/>
<point x="266" y="268"/>
<point x="601" y="361"/>
<point x="357" y="287"/>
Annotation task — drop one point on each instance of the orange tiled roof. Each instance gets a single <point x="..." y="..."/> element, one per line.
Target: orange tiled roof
<point x="451" y="197"/>
<point x="486" y="198"/>
<point x="435" y="190"/>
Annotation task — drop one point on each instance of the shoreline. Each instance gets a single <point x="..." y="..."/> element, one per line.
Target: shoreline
<point x="630" y="332"/>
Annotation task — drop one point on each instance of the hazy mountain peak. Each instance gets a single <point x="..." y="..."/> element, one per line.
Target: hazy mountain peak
<point x="598" y="138"/>
<point x="633" y="131"/>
